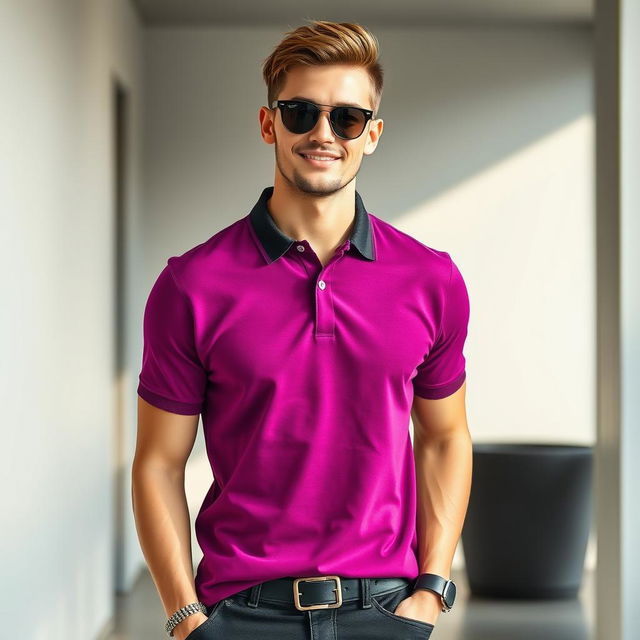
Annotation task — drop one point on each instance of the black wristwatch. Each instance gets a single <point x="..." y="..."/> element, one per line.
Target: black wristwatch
<point x="446" y="589"/>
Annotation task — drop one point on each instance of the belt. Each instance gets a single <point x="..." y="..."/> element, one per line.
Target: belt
<point x="322" y="592"/>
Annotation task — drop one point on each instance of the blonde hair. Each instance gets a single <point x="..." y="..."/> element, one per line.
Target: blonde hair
<point x="324" y="43"/>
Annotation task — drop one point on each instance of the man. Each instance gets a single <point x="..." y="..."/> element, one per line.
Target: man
<point x="307" y="333"/>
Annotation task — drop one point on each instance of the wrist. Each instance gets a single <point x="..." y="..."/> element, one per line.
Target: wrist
<point x="184" y="614"/>
<point x="441" y="588"/>
<point x="184" y="628"/>
<point x="428" y="597"/>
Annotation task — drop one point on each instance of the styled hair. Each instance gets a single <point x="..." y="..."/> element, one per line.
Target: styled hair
<point x="324" y="43"/>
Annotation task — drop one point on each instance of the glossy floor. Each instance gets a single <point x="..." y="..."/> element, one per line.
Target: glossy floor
<point x="140" y="616"/>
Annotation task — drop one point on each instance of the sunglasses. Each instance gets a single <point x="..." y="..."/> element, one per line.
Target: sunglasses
<point x="300" y="116"/>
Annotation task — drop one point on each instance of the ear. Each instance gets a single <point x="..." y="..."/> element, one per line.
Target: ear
<point x="266" y="118"/>
<point x="374" y="132"/>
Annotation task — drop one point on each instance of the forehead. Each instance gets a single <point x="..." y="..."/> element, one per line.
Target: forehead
<point x="328" y="84"/>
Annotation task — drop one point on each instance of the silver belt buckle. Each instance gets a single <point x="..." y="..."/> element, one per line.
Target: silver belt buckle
<point x="330" y="605"/>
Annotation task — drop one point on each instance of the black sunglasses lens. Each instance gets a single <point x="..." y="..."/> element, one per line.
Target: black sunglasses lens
<point x="348" y="122"/>
<point x="301" y="117"/>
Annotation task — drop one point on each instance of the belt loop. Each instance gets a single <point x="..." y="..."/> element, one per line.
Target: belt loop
<point x="254" y="595"/>
<point x="365" y="587"/>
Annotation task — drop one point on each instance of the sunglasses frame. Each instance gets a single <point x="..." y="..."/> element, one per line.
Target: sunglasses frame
<point x="368" y="115"/>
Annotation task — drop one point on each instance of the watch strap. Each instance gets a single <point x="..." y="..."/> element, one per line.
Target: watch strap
<point x="437" y="584"/>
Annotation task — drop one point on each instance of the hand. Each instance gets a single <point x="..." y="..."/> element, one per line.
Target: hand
<point x="421" y="605"/>
<point x="184" y="628"/>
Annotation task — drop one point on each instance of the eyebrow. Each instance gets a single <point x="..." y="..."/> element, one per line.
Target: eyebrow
<point x="337" y="104"/>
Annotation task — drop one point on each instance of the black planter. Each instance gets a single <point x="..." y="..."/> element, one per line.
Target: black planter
<point x="526" y="530"/>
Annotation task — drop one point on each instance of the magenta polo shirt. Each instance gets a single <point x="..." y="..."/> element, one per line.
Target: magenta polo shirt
<point x="304" y="376"/>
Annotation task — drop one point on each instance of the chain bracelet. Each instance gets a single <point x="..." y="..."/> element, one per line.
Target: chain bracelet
<point x="183" y="613"/>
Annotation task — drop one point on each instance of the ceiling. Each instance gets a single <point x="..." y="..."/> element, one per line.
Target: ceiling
<point x="292" y="13"/>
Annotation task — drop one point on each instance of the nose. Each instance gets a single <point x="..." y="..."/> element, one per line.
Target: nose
<point x="322" y="130"/>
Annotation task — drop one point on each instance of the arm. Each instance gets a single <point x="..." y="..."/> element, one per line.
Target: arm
<point x="442" y="447"/>
<point x="443" y="457"/>
<point x="164" y="442"/>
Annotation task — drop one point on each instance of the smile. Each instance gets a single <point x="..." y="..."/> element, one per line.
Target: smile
<point x="318" y="160"/>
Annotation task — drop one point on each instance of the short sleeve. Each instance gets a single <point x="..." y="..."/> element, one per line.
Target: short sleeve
<point x="172" y="376"/>
<point x="442" y="371"/>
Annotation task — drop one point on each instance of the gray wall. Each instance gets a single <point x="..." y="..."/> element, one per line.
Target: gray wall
<point x="618" y="319"/>
<point x="57" y="381"/>
<point x="630" y="320"/>
<point x="487" y="152"/>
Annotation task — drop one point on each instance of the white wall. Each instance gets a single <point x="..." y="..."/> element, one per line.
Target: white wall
<point x="629" y="442"/>
<point x="56" y="321"/>
<point x="487" y="153"/>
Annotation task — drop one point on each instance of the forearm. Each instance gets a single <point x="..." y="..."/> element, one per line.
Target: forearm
<point x="164" y="530"/>
<point x="443" y="476"/>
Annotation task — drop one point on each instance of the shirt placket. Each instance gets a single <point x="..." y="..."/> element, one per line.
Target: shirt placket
<point x="322" y="278"/>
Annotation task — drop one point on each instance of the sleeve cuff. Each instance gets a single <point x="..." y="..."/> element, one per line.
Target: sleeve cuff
<point x="167" y="404"/>
<point x="441" y="391"/>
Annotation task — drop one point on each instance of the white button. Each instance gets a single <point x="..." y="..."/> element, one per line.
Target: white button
<point x="300" y="248"/>
<point x="321" y="284"/>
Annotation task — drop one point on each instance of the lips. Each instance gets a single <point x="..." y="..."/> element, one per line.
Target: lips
<point x="326" y="161"/>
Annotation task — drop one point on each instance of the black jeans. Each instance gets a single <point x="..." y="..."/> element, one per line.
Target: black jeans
<point x="234" y="619"/>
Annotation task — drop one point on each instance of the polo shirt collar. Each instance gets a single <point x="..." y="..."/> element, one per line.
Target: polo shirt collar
<point x="276" y="243"/>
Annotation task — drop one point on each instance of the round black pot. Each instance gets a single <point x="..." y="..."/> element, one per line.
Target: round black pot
<point x="527" y="526"/>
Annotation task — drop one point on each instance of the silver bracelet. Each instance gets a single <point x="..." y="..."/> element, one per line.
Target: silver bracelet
<point x="183" y="613"/>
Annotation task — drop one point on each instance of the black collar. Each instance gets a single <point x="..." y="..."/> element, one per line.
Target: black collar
<point x="276" y="243"/>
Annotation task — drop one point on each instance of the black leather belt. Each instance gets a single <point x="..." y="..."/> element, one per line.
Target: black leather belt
<point x="322" y="592"/>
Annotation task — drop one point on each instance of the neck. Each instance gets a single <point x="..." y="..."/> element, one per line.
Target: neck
<point x="325" y="221"/>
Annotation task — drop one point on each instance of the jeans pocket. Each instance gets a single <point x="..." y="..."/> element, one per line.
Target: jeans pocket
<point x="211" y="616"/>
<point x="386" y="604"/>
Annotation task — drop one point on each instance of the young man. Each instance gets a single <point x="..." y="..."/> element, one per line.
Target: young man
<point x="307" y="333"/>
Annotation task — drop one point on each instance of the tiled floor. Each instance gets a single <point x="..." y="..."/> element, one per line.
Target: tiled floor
<point x="140" y="616"/>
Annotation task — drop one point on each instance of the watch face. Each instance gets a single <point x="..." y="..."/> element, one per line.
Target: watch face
<point x="449" y="595"/>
